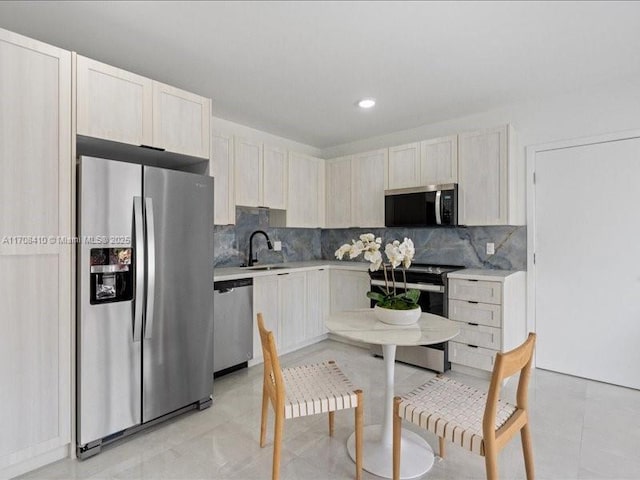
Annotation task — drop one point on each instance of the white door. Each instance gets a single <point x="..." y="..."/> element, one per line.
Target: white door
<point x="587" y="270"/>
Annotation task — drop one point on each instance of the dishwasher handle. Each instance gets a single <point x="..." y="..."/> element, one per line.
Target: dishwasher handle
<point x="227" y="286"/>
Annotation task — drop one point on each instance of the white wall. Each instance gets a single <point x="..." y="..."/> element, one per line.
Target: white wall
<point x="610" y="108"/>
<point x="225" y="126"/>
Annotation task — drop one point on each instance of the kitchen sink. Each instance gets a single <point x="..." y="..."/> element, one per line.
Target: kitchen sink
<point x="268" y="267"/>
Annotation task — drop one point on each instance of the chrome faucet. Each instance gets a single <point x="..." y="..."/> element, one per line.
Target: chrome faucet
<point x="252" y="260"/>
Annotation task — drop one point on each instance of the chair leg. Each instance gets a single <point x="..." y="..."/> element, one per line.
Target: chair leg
<point x="441" y="449"/>
<point x="359" y="427"/>
<point x="263" y="419"/>
<point x="397" y="437"/>
<point x="331" y="419"/>
<point x="277" y="445"/>
<point x="491" y="463"/>
<point x="527" y="451"/>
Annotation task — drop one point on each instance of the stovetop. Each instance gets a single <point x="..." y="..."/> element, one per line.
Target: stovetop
<point x="421" y="273"/>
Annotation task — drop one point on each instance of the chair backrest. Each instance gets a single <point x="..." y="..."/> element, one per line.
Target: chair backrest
<point x="273" y="380"/>
<point x="507" y="364"/>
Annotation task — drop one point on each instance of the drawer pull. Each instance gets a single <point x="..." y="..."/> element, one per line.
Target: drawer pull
<point x="473" y="324"/>
<point x="471" y="301"/>
<point x="281" y="274"/>
<point x="472" y="280"/>
<point x="472" y="346"/>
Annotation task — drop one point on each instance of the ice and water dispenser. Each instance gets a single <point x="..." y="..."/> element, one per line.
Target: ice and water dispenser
<point x="111" y="275"/>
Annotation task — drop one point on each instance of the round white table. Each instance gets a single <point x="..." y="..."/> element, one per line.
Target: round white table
<point x="362" y="325"/>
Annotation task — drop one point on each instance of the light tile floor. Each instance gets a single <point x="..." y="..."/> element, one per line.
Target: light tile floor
<point x="581" y="430"/>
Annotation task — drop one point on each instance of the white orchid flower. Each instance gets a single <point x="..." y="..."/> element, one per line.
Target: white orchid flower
<point x="408" y="251"/>
<point x="367" y="237"/>
<point x="375" y="257"/>
<point x="356" y="249"/>
<point x="342" y="251"/>
<point x="393" y="254"/>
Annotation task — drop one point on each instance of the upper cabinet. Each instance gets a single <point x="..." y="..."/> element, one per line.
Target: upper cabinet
<point x="489" y="178"/>
<point x="306" y="189"/>
<point x="120" y="106"/>
<point x="439" y="161"/>
<point x="403" y="166"/>
<point x="355" y="190"/>
<point x="222" y="171"/>
<point x="260" y="174"/>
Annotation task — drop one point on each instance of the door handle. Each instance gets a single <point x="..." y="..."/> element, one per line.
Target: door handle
<point x="438" y="207"/>
<point x="140" y="254"/>
<point x="151" y="266"/>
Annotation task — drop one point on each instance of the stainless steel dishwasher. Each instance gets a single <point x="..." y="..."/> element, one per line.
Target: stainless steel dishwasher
<point x="232" y="325"/>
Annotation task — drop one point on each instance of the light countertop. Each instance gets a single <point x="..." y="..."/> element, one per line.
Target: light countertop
<point x="235" y="273"/>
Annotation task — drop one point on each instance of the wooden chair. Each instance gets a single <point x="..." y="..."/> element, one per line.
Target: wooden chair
<point x="473" y="419"/>
<point x="301" y="391"/>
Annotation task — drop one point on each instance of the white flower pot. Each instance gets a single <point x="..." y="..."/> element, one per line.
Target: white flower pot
<point x="397" y="317"/>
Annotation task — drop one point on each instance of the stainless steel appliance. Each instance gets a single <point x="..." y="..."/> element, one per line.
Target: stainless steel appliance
<point x="232" y="325"/>
<point x="145" y="326"/>
<point x="426" y="206"/>
<point x="431" y="280"/>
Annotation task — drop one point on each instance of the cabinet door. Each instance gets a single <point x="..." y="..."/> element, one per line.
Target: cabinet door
<point x="265" y="301"/>
<point x="221" y="169"/>
<point x="248" y="172"/>
<point x="367" y="188"/>
<point x="483" y="189"/>
<point x="293" y="309"/>
<point x="274" y="177"/>
<point x="338" y="195"/>
<point x="35" y="285"/>
<point x="439" y="161"/>
<point x="349" y="290"/>
<point x="317" y="302"/>
<point x="403" y="169"/>
<point x="180" y="121"/>
<point x="306" y="191"/>
<point x="113" y="104"/>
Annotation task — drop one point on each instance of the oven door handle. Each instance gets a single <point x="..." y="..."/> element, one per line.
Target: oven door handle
<point x="423" y="287"/>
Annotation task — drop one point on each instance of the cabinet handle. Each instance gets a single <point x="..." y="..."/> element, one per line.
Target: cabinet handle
<point x="472" y="346"/>
<point x="471" y="301"/>
<point x="280" y="274"/>
<point x="472" y="324"/>
<point x="158" y="149"/>
<point x="472" y="280"/>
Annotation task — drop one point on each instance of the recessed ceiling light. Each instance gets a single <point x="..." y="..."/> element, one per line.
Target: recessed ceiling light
<point x="367" y="102"/>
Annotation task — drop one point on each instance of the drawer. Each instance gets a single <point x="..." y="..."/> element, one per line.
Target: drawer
<point x="472" y="312"/>
<point x="475" y="290"/>
<point x="480" y="336"/>
<point x="476" y="357"/>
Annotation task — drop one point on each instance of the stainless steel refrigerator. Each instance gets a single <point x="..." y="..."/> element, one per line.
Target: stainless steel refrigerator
<point x="145" y="300"/>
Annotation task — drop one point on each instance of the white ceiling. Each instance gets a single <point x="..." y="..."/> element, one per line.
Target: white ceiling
<point x="296" y="69"/>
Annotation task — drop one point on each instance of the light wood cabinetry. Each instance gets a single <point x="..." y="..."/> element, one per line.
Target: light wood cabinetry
<point x="306" y="190"/>
<point x="274" y="177"/>
<point x="248" y="172"/>
<point x="261" y="174"/>
<point x="403" y="166"/>
<point x="355" y="190"/>
<point x="35" y="261"/>
<point x="367" y="188"/>
<point x="294" y="306"/>
<point x="120" y="106"/>
<point x="349" y="290"/>
<point x="439" y="161"/>
<point x="490" y="309"/>
<point x="489" y="176"/>
<point x="221" y="168"/>
<point x="338" y="194"/>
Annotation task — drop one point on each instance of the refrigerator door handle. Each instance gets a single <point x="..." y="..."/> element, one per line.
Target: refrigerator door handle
<point x="151" y="267"/>
<point x="139" y="255"/>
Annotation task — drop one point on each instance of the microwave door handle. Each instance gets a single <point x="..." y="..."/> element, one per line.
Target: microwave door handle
<point x="151" y="267"/>
<point x="139" y="256"/>
<point x="438" y="207"/>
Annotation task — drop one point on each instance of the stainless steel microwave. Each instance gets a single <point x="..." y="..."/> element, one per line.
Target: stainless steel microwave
<point x="427" y="206"/>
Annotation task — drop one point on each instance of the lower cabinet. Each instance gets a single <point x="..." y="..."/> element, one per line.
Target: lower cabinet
<point x="349" y="290"/>
<point x="490" y="309"/>
<point x="294" y="306"/>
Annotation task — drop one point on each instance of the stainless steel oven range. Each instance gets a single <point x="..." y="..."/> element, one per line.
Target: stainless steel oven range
<point x="431" y="280"/>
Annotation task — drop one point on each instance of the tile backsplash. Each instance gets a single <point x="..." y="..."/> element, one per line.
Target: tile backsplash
<point x="457" y="246"/>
